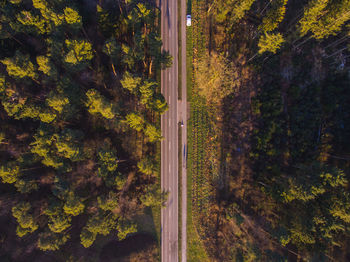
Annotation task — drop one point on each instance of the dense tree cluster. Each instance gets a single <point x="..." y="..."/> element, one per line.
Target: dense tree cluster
<point x="79" y="111"/>
<point x="282" y="125"/>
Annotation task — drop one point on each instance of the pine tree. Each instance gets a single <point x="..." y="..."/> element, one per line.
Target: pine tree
<point x="146" y="166"/>
<point x="47" y="116"/>
<point x="101" y="223"/>
<point x="26" y="186"/>
<point x="331" y="23"/>
<point x="58" y="220"/>
<point x="78" y="51"/>
<point x="319" y="196"/>
<point x="96" y="103"/>
<point x="125" y="228"/>
<point x="67" y="144"/>
<point x="240" y="8"/>
<point x="312" y="13"/>
<point x="270" y="43"/>
<point x="46" y="66"/>
<point x="87" y="238"/>
<point x="19" y="66"/>
<point x="147" y="90"/>
<point x="158" y="103"/>
<point x="109" y="202"/>
<point x="107" y="160"/>
<point x="152" y="133"/>
<point x="49" y="241"/>
<point x="135" y="121"/>
<point x="72" y="17"/>
<point x="57" y="101"/>
<point x="274" y="16"/>
<point x="73" y="205"/>
<point x="26" y="222"/>
<point x="9" y="173"/>
<point x="131" y="83"/>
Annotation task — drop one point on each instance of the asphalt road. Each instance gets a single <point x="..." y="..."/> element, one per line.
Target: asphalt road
<point x="169" y="125"/>
<point x="182" y="113"/>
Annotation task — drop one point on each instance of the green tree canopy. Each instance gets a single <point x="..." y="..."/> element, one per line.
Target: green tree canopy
<point x="78" y="51"/>
<point x="135" y="121"/>
<point x="125" y="227"/>
<point x="270" y="43"/>
<point x="153" y="133"/>
<point x="97" y="104"/>
<point x="19" y="66"/>
<point x="26" y="221"/>
<point x="10" y="172"/>
<point x="73" y="205"/>
<point x="49" y="241"/>
<point x="274" y="16"/>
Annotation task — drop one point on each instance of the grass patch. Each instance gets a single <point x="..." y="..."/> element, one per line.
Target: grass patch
<point x="179" y="86"/>
<point x="195" y="248"/>
<point x="179" y="189"/>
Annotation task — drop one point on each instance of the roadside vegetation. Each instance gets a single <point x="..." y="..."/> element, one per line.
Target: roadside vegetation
<point x="196" y="144"/>
<point x="270" y="129"/>
<point x="79" y="135"/>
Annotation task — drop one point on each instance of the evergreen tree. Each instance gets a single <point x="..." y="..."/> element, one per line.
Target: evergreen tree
<point x="57" y="101"/>
<point x="87" y="238"/>
<point x="19" y="66"/>
<point x="58" y="220"/>
<point x="107" y="160"/>
<point x="240" y="8"/>
<point x="312" y="13"/>
<point x="152" y="133"/>
<point x="270" y="43"/>
<point x="146" y="166"/>
<point x="321" y="204"/>
<point x="26" y="222"/>
<point x="78" y="51"/>
<point x="67" y="144"/>
<point x="73" y="205"/>
<point x="9" y="173"/>
<point x="131" y="83"/>
<point x="108" y="202"/>
<point x="135" y="121"/>
<point x="125" y="228"/>
<point x="331" y="23"/>
<point x="102" y="223"/>
<point x="49" y="241"/>
<point x="72" y="17"/>
<point x="26" y="186"/>
<point x="274" y="16"/>
<point x="96" y="103"/>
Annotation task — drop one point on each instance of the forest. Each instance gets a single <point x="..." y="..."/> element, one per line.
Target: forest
<point x="80" y="125"/>
<point x="271" y="129"/>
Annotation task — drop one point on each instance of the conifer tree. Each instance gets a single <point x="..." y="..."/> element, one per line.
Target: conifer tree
<point x="131" y="83"/>
<point x="270" y="43"/>
<point x="240" y="8"/>
<point x="26" y="222"/>
<point x="58" y="220"/>
<point x="274" y="16"/>
<point x="152" y="133"/>
<point x="331" y="23"/>
<point x="49" y="241"/>
<point x="125" y="228"/>
<point x="73" y="205"/>
<point x="109" y="202"/>
<point x="78" y="51"/>
<point x="135" y="121"/>
<point x="9" y="173"/>
<point x="96" y="103"/>
<point x="312" y="13"/>
<point x="20" y="66"/>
